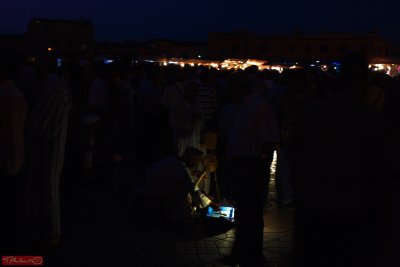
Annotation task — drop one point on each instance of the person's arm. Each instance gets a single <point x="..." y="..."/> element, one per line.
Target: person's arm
<point x="201" y="199"/>
<point x="13" y="110"/>
<point x="200" y="178"/>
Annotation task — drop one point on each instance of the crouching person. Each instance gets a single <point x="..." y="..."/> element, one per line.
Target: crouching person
<point x="172" y="184"/>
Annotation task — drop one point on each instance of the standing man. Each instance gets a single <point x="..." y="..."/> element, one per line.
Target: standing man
<point x="13" y="111"/>
<point x="46" y="136"/>
<point x="250" y="146"/>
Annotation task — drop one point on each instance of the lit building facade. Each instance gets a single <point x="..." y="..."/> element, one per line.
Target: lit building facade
<point x="298" y="47"/>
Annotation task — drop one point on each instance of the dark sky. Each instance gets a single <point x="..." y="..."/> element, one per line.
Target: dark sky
<point x="117" y="20"/>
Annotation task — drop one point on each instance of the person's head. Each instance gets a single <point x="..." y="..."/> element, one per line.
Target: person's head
<point x="204" y="75"/>
<point x="181" y="75"/>
<point x="297" y="81"/>
<point x="152" y="73"/>
<point x="192" y="157"/>
<point x="354" y="73"/>
<point x="252" y="70"/>
<point x="239" y="85"/>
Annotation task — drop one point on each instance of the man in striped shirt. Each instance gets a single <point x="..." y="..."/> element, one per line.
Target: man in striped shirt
<point x="207" y="100"/>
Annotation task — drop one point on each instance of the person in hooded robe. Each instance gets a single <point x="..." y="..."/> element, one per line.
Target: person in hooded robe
<point x="46" y="133"/>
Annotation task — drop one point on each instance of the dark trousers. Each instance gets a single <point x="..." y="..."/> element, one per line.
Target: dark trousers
<point x="10" y="208"/>
<point x="250" y="185"/>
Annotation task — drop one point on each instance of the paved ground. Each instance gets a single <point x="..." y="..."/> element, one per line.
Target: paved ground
<point x="98" y="231"/>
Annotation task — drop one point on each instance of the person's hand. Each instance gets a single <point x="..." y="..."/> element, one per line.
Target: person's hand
<point x="214" y="206"/>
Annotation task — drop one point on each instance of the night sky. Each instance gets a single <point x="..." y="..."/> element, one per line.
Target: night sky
<point x="117" y="20"/>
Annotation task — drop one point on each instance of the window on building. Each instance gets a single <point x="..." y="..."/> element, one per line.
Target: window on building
<point x="324" y="48"/>
<point x="308" y="49"/>
<point x="342" y="48"/>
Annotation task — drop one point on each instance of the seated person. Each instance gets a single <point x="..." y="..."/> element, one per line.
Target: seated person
<point x="175" y="183"/>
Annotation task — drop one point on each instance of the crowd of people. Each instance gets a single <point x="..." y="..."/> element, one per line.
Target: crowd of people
<point x="336" y="136"/>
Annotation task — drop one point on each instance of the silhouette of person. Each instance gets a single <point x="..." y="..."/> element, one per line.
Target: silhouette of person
<point x="46" y="136"/>
<point x="13" y="112"/>
<point x="250" y="147"/>
<point x="343" y="157"/>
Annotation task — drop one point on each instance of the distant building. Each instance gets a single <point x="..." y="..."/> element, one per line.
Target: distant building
<point x="297" y="47"/>
<point x="59" y="35"/>
<point x="176" y="49"/>
<point x="113" y="48"/>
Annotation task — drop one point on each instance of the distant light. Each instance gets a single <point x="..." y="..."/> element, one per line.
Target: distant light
<point x="49" y="49"/>
<point x="280" y="69"/>
<point x="31" y="59"/>
<point x="59" y="62"/>
<point x="312" y="65"/>
<point x="199" y="56"/>
<point x="214" y="65"/>
<point x="317" y="61"/>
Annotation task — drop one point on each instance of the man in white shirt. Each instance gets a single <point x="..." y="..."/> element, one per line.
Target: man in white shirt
<point x="250" y="146"/>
